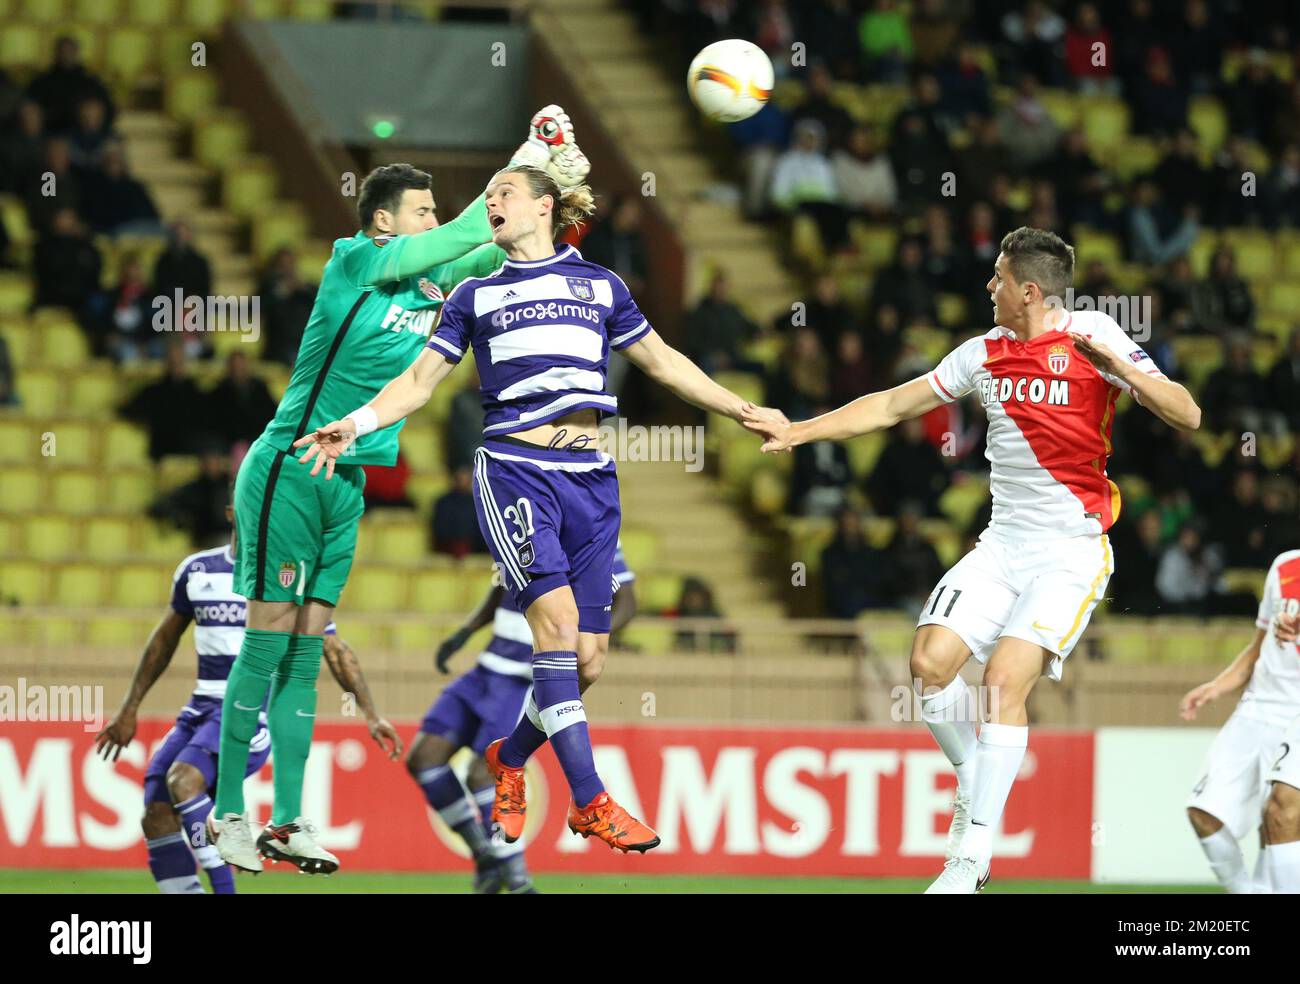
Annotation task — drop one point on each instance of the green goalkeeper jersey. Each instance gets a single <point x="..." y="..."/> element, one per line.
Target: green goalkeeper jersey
<point x="375" y="308"/>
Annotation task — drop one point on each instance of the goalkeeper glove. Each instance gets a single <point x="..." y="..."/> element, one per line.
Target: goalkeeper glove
<point x="552" y="147"/>
<point x="449" y="647"/>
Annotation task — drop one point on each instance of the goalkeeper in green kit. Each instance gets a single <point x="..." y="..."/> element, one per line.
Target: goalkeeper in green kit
<point x="296" y="534"/>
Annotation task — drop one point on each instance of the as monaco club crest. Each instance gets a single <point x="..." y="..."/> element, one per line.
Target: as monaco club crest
<point x="1058" y="359"/>
<point x="288" y="572"/>
<point x="429" y="289"/>
<point x="581" y="288"/>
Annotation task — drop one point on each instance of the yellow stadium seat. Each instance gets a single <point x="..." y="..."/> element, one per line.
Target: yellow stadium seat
<point x="437" y="592"/>
<point x="423" y="490"/>
<point x="40" y="392"/>
<point x="640" y="547"/>
<point x="266" y="9"/>
<point x="1105" y="122"/>
<point x="376" y="590"/>
<point x="14" y="216"/>
<point x="952" y="310"/>
<point x="310" y="10"/>
<point x="189" y="95"/>
<point x="806" y="242"/>
<point x="15" y="288"/>
<point x="63" y="346"/>
<point x="880" y="530"/>
<point x="73" y="444"/>
<point x="128" y="53"/>
<point x="282" y="227"/>
<point x="129" y="490"/>
<point x="400" y="543"/>
<point x="205" y="15"/>
<point x="768" y="491"/>
<point x="51" y="537"/>
<point x="42" y="11"/>
<point x="1062" y="106"/>
<point x="876" y="244"/>
<point x="1257" y="256"/>
<point x="21" y="46"/>
<point x="107" y="538"/>
<point x="1209" y="121"/>
<point x="79" y="586"/>
<point x="152" y="12"/>
<point x="1135" y="155"/>
<point x="415" y="637"/>
<point x="247" y="188"/>
<point x="649" y="639"/>
<point x="1201" y="251"/>
<point x="1290" y="261"/>
<point x="11" y="537"/>
<point x="962" y="500"/>
<point x="1275" y="452"/>
<point x="114" y="630"/>
<point x="220" y="139"/>
<point x="20" y="442"/>
<point x="475" y="579"/>
<point x="175" y="470"/>
<point x="95" y="393"/>
<point x="165" y="544"/>
<point x="97" y="11"/>
<point x="1090" y="245"/>
<point x="55" y="631"/>
<point x="422" y="449"/>
<point x="24" y="489"/>
<point x="22" y="342"/>
<point x="140" y="586"/>
<point x="75" y="492"/>
<point x="176" y="52"/>
<point x="126" y="444"/>
<point x="23" y="582"/>
<point x="1284" y="299"/>
<point x="863" y="452"/>
<point x="657" y="592"/>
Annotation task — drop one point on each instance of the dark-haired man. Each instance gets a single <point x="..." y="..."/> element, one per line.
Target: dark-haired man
<point x="1018" y="602"/>
<point x="376" y="304"/>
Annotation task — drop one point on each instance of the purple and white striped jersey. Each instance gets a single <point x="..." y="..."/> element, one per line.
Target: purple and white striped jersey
<point x="203" y="590"/>
<point x="510" y="650"/>
<point x="541" y="331"/>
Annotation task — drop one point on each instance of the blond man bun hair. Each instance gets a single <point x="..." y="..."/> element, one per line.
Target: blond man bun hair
<point x="572" y="206"/>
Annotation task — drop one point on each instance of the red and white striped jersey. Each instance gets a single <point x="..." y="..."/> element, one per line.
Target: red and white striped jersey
<point x="1050" y="413"/>
<point x="1273" y="692"/>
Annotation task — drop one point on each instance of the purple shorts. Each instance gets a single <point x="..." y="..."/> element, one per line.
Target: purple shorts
<point x="550" y="517"/>
<point x="477" y="709"/>
<point x="195" y="739"/>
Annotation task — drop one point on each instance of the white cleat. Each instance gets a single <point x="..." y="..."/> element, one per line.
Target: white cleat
<point x="296" y="843"/>
<point x="232" y="836"/>
<point x="961" y="876"/>
<point x="960" y="824"/>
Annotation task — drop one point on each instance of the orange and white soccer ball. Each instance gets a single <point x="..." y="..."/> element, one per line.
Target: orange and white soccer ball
<point x="730" y="81"/>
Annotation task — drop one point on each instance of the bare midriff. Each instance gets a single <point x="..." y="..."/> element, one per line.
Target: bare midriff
<point x="580" y="426"/>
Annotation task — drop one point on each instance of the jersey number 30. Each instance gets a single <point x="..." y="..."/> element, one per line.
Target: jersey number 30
<point x="521" y="514"/>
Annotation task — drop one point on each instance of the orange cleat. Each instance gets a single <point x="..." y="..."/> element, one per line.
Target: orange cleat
<point x="607" y="820"/>
<point x="508" y="808"/>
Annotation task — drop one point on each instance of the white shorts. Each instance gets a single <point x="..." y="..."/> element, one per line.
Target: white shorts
<point x="1234" y="780"/>
<point x="1285" y="766"/>
<point x="1039" y="590"/>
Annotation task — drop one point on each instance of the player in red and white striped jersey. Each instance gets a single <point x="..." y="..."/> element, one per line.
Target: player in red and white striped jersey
<point x="1048" y="379"/>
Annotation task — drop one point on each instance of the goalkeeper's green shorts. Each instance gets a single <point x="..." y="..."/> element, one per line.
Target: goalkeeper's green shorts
<point x="295" y="535"/>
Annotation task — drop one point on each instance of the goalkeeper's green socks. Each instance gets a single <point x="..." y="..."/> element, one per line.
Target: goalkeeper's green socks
<point x="292" y="718"/>
<point x="250" y="676"/>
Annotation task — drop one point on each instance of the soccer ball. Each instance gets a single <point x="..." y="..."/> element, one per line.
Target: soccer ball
<point x="730" y="81"/>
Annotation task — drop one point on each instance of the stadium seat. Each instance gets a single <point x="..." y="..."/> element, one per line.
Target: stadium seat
<point x="806" y="242"/>
<point x="20" y="442"/>
<point x="189" y="95"/>
<point x="1105" y="123"/>
<point x="21" y="341"/>
<point x="1206" y="117"/>
<point x="422" y="449"/>
<point x="1133" y="156"/>
<point x="863" y="452"/>
<point x="962" y="500"/>
<point x="42" y="11"/>
<point x="1257" y="256"/>
<point x="95" y="393"/>
<point x="424" y="489"/>
<point x="51" y="537"/>
<point x="310" y="10"/>
<point x="220" y="139"/>
<point x="71" y="444"/>
<point x="97" y="12"/>
<point x="952" y="310"/>
<point x="140" y="586"/>
<point x="175" y="470"/>
<point x="876" y="244"/>
<point x="657" y="593"/>
<point x="76" y="493"/>
<point x="79" y="586"/>
<point x="1284" y="299"/>
<point x="437" y="592"/>
<point x="127" y="444"/>
<point x="23" y="582"/>
<point x="129" y="490"/>
<point x="107" y="538"/>
<point x="40" y="391"/>
<point x="266" y="9"/>
<point x="11" y="538"/>
<point x="150" y="12"/>
<point x="63" y="346"/>
<point x="376" y="590"/>
<point x="284" y="226"/>
<point x="402" y="543"/>
<point x="768" y="491"/>
<point x="21" y="46"/>
<point x="24" y="490"/>
<point x="205" y="15"/>
<point x="15" y="288"/>
<point x="1090" y="245"/>
<point x="128" y="54"/>
<point x="475" y="579"/>
<point x="417" y="637"/>
<point x="165" y="544"/>
<point x="1062" y="106"/>
<point x="649" y="639"/>
<point x="115" y="630"/>
<point x="176" y="52"/>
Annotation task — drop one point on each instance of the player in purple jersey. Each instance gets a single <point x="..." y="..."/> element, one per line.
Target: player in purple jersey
<point x="482" y="705"/>
<point x="181" y="775"/>
<point x="542" y="328"/>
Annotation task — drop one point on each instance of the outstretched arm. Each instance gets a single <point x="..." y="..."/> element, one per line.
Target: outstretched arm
<point x="1233" y="677"/>
<point x="668" y="367"/>
<point x="346" y="670"/>
<point x="873" y="412"/>
<point x="157" y="655"/>
<point x="399" y="399"/>
<point x="1169" y="401"/>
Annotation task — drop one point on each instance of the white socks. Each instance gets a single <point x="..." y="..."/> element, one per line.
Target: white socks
<point x="1226" y="861"/>
<point x="950" y="716"/>
<point x="999" y="752"/>
<point x="1282" y="863"/>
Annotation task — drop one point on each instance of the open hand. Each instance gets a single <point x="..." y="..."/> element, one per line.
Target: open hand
<point x="770" y="423"/>
<point x="327" y="445"/>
